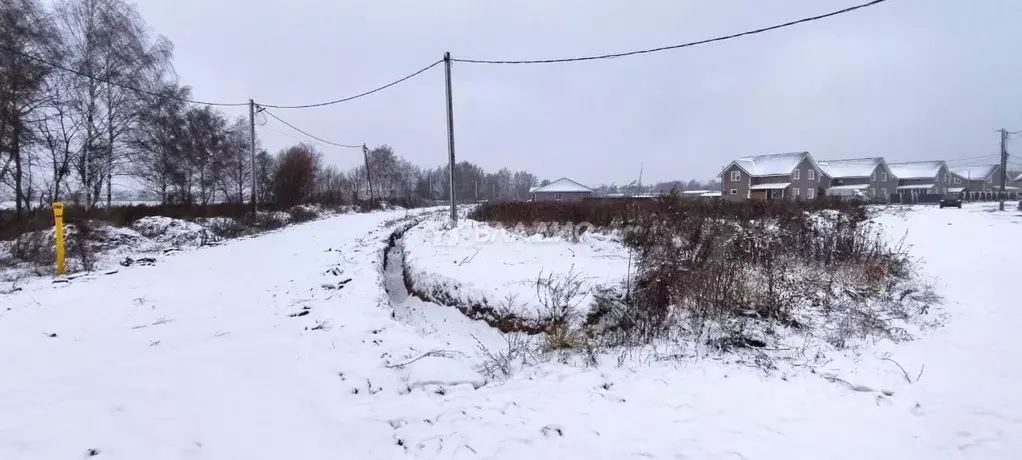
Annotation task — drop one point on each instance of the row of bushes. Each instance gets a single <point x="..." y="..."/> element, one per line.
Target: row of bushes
<point x="627" y="211"/>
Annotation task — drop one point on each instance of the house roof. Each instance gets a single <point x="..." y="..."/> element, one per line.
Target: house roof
<point x="562" y="185"/>
<point x="856" y="167"/>
<point x="778" y="164"/>
<point x="976" y="172"/>
<point x="916" y="187"/>
<point x="916" y="169"/>
<point x="1019" y="178"/>
<point x="770" y="186"/>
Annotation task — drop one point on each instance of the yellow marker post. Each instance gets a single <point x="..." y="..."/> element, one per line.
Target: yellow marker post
<point x="58" y="221"/>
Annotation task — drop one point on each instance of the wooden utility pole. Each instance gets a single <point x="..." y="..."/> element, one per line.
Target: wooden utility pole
<point x="252" y="151"/>
<point x="1004" y="168"/>
<point x="450" y="135"/>
<point x="369" y="177"/>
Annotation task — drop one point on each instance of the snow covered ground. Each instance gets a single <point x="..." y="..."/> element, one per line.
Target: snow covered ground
<point x="480" y="263"/>
<point x="288" y="345"/>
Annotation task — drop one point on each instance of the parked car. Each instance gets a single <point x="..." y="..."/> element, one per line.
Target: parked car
<point x="951" y="200"/>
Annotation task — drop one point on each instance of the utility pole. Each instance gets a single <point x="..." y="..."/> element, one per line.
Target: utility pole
<point x="1004" y="167"/>
<point x="450" y="135"/>
<point x="252" y="150"/>
<point x="369" y="177"/>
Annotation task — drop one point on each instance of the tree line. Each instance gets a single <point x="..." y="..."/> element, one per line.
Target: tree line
<point x="66" y="135"/>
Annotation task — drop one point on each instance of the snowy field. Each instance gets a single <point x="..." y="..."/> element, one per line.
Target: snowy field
<point x="288" y="345"/>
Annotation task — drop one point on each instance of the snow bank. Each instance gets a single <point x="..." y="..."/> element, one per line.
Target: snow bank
<point x="480" y="264"/>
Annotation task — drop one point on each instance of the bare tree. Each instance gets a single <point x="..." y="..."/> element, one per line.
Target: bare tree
<point x="237" y="163"/>
<point x="157" y="145"/>
<point x="26" y="29"/>
<point x="298" y="170"/>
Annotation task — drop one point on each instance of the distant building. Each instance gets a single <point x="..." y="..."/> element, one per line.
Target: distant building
<point x="562" y="189"/>
<point x="921" y="178"/>
<point x="770" y="177"/>
<point x="975" y="179"/>
<point x="869" y="178"/>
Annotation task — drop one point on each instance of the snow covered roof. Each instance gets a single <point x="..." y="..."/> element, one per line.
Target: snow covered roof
<point x="562" y="185"/>
<point x="956" y="189"/>
<point x="856" y="167"/>
<point x="694" y="192"/>
<point x="711" y="194"/>
<point x="770" y="186"/>
<point x="916" y="187"/>
<point x="777" y="164"/>
<point x="976" y="172"/>
<point x="916" y="169"/>
<point x="532" y="189"/>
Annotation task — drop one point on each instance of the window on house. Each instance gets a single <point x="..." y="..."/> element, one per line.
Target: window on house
<point x="947" y="177"/>
<point x="812" y="174"/>
<point x="883" y="192"/>
<point x="736" y="176"/>
<point x="958" y="180"/>
<point x="734" y="191"/>
<point x="872" y="191"/>
<point x="810" y="192"/>
<point x="775" y="193"/>
<point x="883" y="177"/>
<point x="794" y="174"/>
<point x="873" y="176"/>
<point x="794" y="191"/>
<point x="558" y="196"/>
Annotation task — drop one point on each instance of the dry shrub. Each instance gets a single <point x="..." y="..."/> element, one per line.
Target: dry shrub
<point x="301" y="214"/>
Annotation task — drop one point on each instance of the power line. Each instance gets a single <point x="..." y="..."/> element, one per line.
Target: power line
<point x="119" y="85"/>
<point x="971" y="159"/>
<point x="350" y="98"/>
<point x="672" y="47"/>
<point x="289" y="125"/>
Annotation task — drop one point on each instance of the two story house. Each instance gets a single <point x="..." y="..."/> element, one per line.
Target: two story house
<point x="976" y="179"/>
<point x="866" y="177"/>
<point x="768" y="177"/>
<point x="921" y="178"/>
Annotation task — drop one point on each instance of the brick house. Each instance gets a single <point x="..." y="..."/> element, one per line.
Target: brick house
<point x="921" y="178"/>
<point x="768" y="177"/>
<point x="562" y="189"/>
<point x="863" y="177"/>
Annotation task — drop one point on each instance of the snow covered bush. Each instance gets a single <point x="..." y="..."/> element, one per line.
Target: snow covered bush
<point x="735" y="283"/>
<point x="303" y="213"/>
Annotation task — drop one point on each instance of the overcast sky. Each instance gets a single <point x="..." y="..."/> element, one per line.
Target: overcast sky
<point x="906" y="79"/>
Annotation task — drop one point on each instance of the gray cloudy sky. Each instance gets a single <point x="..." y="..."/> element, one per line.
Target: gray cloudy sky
<point x="906" y="79"/>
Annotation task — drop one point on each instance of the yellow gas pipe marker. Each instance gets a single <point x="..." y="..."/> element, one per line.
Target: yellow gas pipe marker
<point x="58" y="221"/>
